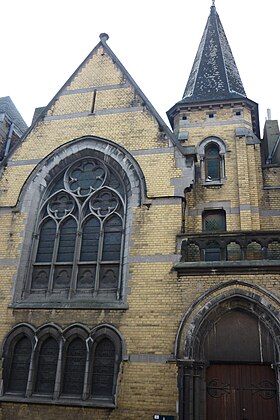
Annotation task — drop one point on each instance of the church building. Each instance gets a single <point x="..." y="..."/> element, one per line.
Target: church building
<point x="140" y="263"/>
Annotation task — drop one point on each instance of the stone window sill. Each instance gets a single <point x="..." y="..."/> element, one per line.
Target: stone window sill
<point x="66" y="401"/>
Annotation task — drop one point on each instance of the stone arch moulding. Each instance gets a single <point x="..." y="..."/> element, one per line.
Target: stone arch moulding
<point x="218" y="300"/>
<point x="234" y="295"/>
<point x="212" y="139"/>
<point x="220" y="173"/>
<point x="37" y="186"/>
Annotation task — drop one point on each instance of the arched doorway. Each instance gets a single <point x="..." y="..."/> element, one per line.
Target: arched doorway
<point x="240" y="376"/>
<point x="227" y="351"/>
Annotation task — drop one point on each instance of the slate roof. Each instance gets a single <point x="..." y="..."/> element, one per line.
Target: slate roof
<point x="214" y="75"/>
<point x="8" y="107"/>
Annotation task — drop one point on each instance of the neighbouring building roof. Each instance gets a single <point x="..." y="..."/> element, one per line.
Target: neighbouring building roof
<point x="7" y="107"/>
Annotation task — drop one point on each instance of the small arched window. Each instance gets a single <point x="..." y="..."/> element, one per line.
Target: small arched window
<point x="104" y="359"/>
<point x="211" y="154"/>
<point x="47" y="366"/>
<point x="19" y="365"/>
<point x="74" y="370"/>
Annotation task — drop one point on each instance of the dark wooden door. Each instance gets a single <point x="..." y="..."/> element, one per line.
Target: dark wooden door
<point x="241" y="392"/>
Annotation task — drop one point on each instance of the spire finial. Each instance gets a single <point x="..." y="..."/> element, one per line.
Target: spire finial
<point x="213" y="3"/>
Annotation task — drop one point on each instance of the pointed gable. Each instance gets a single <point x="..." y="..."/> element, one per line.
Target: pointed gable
<point x="214" y="74"/>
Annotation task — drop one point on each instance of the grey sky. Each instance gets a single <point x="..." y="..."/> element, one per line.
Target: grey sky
<point x="156" y="40"/>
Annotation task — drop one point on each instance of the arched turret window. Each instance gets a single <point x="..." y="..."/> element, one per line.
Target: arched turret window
<point x="211" y="154"/>
<point x="212" y="162"/>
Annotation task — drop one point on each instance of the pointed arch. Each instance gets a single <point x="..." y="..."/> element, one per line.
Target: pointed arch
<point x="76" y="182"/>
<point x="235" y="322"/>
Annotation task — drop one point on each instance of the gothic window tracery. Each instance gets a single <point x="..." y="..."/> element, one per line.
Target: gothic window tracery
<point x="79" y="238"/>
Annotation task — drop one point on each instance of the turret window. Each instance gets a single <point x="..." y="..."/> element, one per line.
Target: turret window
<point x="212" y="162"/>
<point x="211" y="154"/>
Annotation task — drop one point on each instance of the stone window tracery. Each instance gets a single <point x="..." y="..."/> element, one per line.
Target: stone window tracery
<point x="78" y="244"/>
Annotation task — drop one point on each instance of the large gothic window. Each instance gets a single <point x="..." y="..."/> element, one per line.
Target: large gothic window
<point x="78" y="244"/>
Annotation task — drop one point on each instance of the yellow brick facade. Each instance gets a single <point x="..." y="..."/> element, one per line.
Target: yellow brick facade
<point x="102" y="102"/>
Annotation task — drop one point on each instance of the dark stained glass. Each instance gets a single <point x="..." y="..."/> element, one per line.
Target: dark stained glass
<point x="47" y="363"/>
<point x="67" y="241"/>
<point x="103" y="368"/>
<point x="86" y="177"/>
<point x="20" y="366"/>
<point x="73" y="378"/>
<point x="212" y="163"/>
<point x="112" y="239"/>
<point x="80" y="244"/>
<point x="46" y="242"/>
<point x="90" y="241"/>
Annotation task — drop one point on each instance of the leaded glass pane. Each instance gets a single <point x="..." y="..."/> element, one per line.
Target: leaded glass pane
<point x="212" y="162"/>
<point x="103" y="368"/>
<point x="67" y="241"/>
<point x="47" y="363"/>
<point x="46" y="242"/>
<point x="86" y="176"/>
<point x="90" y="241"/>
<point x="213" y="169"/>
<point x="20" y="366"/>
<point x="112" y="239"/>
<point x="214" y="220"/>
<point x="73" y="378"/>
<point x="212" y="151"/>
<point x="104" y="203"/>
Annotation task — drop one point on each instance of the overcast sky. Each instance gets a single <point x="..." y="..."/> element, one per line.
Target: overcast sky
<point x="43" y="42"/>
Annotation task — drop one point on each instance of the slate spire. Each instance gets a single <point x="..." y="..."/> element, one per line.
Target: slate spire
<point x="214" y="74"/>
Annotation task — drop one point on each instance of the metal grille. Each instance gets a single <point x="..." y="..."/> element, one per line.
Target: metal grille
<point x="214" y="220"/>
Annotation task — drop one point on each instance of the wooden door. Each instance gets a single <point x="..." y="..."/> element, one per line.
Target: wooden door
<point x="241" y="392"/>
